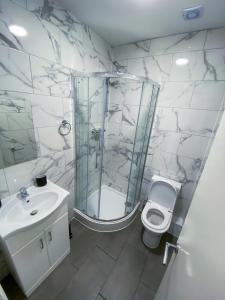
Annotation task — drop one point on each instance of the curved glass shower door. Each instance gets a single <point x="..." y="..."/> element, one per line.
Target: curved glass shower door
<point x="113" y="121"/>
<point x="89" y="137"/>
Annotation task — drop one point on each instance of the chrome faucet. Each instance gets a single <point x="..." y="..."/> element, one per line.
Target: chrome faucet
<point x="23" y="192"/>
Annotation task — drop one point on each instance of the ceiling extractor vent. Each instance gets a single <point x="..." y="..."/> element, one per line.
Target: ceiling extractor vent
<point x="193" y="12"/>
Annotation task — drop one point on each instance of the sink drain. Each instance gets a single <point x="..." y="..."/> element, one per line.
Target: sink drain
<point x="34" y="212"/>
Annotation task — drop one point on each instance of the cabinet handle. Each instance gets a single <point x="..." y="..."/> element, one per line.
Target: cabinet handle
<point x="49" y="236"/>
<point x="42" y="243"/>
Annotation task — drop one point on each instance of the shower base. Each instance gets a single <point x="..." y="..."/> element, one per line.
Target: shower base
<point x="111" y="213"/>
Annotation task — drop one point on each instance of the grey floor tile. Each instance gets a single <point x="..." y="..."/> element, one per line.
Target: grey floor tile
<point x="82" y="246"/>
<point x="11" y="288"/>
<point x="144" y="293"/>
<point x="77" y="227"/>
<point x="113" y="242"/>
<point x="55" y="282"/>
<point x="135" y="239"/>
<point x="153" y="271"/>
<point x="87" y="282"/>
<point x="123" y="280"/>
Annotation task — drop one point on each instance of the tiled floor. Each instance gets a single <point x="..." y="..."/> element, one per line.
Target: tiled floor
<point x="112" y="266"/>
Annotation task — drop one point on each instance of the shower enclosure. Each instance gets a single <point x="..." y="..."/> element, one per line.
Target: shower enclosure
<point x="113" y="122"/>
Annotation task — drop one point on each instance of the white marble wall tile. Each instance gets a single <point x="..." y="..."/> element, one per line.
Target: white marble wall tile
<point x="47" y="111"/>
<point x="3" y="185"/>
<point x="52" y="164"/>
<point x="50" y="78"/>
<point x="176" y="94"/>
<point x="137" y="67"/>
<point x="15" y="71"/>
<point x="178" y="43"/>
<point x="208" y="95"/>
<point x="165" y="119"/>
<point x="133" y="50"/>
<point x="155" y="67"/>
<point x="96" y="43"/>
<point x="72" y="53"/>
<point x="215" y="38"/>
<point x="193" y="146"/>
<point x="105" y="65"/>
<point x="166" y="141"/>
<point x="36" y="27"/>
<point x="55" y="144"/>
<point x="95" y="62"/>
<point x="196" y="69"/>
<point x="120" y="65"/>
<point x="175" y="167"/>
<point x="200" y="122"/>
<point x="214" y="61"/>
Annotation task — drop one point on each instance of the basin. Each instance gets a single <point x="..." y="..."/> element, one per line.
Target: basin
<point x="18" y="214"/>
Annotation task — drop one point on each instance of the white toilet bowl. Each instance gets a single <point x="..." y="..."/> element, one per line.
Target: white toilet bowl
<point x="158" y="211"/>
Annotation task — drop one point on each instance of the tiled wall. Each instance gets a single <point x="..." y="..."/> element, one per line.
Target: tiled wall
<point x="189" y="105"/>
<point x="38" y="68"/>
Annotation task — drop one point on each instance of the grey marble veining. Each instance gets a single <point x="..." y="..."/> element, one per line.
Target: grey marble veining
<point x="50" y="78"/>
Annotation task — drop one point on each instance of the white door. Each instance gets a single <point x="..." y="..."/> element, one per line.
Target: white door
<point x="31" y="262"/>
<point x="197" y="272"/>
<point x="57" y="237"/>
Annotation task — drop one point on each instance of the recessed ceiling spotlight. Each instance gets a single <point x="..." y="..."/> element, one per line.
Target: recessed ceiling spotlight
<point x="193" y="13"/>
<point x="17" y="30"/>
<point x="182" y="61"/>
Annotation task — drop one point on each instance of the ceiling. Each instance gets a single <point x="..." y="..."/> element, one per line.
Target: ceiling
<point x="125" y="21"/>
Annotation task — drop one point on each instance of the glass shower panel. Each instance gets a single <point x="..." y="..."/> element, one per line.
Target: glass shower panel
<point x="113" y="121"/>
<point x="143" y="133"/>
<point x="121" y="120"/>
<point x="95" y="145"/>
<point x="81" y="145"/>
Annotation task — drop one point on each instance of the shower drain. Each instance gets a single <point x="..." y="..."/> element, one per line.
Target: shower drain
<point x="34" y="212"/>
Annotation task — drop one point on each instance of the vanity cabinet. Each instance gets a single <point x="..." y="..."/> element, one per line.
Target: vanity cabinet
<point x="33" y="254"/>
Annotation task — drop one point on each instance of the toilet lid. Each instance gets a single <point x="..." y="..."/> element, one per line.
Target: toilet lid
<point x="163" y="194"/>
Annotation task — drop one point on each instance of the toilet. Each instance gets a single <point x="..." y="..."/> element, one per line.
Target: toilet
<point x="158" y="212"/>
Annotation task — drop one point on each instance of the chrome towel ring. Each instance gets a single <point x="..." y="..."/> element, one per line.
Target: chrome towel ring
<point x="64" y="128"/>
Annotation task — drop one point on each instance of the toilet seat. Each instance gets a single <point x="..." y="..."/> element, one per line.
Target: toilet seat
<point x="159" y="211"/>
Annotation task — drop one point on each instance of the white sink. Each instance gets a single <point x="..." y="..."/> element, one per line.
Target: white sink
<point x="18" y="214"/>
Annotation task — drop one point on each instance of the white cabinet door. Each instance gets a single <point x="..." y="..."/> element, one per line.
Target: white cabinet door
<point x="31" y="262"/>
<point x="57" y="237"/>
